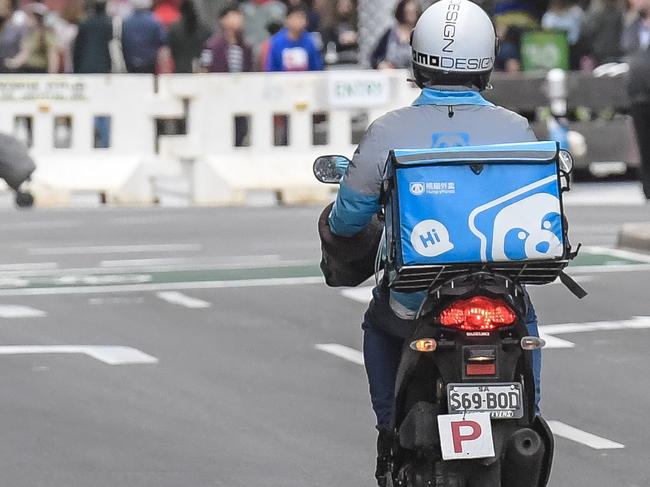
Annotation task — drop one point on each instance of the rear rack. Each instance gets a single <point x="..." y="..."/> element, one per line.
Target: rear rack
<point x="416" y="278"/>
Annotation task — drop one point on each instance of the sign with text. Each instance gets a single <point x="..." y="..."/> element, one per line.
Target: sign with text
<point x="31" y="89"/>
<point x="464" y="437"/>
<point x="358" y="90"/>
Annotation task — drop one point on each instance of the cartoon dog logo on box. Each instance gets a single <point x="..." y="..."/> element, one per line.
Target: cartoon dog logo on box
<point x="431" y="238"/>
<point x="523" y="225"/>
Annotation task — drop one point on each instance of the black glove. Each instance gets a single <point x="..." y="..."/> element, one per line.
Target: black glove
<point x="348" y="261"/>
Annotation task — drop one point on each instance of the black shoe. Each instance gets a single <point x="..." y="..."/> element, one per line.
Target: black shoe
<point x="384" y="458"/>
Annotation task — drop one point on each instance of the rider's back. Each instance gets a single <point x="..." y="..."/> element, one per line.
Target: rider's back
<point x="432" y="123"/>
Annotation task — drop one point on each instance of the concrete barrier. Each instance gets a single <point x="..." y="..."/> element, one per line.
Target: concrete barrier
<point x="87" y="133"/>
<point x="228" y="139"/>
<point x="635" y="236"/>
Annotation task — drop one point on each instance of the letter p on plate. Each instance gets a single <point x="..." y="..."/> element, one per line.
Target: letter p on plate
<point x="465" y="436"/>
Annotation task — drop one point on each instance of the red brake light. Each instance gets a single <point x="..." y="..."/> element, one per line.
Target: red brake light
<point x="477" y="314"/>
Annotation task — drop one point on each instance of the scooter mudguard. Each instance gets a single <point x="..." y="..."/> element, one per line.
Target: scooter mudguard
<point x="541" y="427"/>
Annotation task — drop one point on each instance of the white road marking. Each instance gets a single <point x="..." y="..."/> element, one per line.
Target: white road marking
<point x="111" y="355"/>
<point x="227" y="262"/>
<point x="610" y="194"/>
<point x="28" y="266"/>
<point x="341" y="351"/>
<point x="18" y="311"/>
<point x="618" y="253"/>
<point x="579" y="436"/>
<point x="164" y="286"/>
<point x="636" y="323"/>
<point x="555" y="342"/>
<point x="116" y="249"/>
<point x="175" y="297"/>
<point x="360" y="294"/>
<point x="116" y="300"/>
<point x="41" y="225"/>
<point x="140" y="262"/>
<point x="605" y="269"/>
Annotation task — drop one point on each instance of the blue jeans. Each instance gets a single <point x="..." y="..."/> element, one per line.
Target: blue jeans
<point x="382" y="351"/>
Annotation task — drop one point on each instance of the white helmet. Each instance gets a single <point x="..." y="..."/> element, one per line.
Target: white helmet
<point x="454" y="43"/>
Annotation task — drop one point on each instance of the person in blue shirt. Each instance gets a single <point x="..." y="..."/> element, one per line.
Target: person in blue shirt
<point x="293" y="48"/>
<point x="144" y="40"/>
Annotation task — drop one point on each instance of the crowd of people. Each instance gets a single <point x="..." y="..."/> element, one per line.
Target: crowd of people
<point x="163" y="36"/>
<point x="597" y="31"/>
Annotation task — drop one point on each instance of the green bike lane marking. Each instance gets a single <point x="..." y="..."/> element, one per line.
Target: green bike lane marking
<point x="78" y="279"/>
<point x="587" y="261"/>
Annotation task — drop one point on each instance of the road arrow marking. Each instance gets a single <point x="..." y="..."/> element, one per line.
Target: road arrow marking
<point x="174" y="297"/>
<point x="341" y="351"/>
<point x="111" y="355"/>
<point x="574" y="434"/>
<point x="548" y="332"/>
<point x="18" y="311"/>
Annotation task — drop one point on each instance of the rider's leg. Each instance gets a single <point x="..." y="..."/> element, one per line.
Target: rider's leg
<point x="381" y="353"/>
<point x="531" y="323"/>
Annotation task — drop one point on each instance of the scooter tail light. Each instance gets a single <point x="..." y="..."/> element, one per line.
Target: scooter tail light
<point x="478" y="314"/>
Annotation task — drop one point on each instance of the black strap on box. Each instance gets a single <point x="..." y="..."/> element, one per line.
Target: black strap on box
<point x="570" y="283"/>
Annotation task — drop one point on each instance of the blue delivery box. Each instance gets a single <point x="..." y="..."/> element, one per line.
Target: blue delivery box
<point x="496" y="205"/>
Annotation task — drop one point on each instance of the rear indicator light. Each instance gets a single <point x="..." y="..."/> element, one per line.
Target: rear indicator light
<point x="424" y="345"/>
<point x="478" y="314"/>
<point x="481" y="369"/>
<point x="532" y="343"/>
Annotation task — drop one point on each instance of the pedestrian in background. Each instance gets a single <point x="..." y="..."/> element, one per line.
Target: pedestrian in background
<point x="187" y="38"/>
<point x="393" y="51"/>
<point x="341" y="38"/>
<point x="639" y="93"/>
<point x="90" y="52"/>
<point x="12" y="32"/>
<point x="38" y="50"/>
<point x="227" y="51"/>
<point x="144" y="40"/>
<point x="65" y="26"/>
<point x="313" y="17"/>
<point x="603" y="30"/>
<point x="293" y="48"/>
<point x="257" y="15"/>
<point x="567" y="16"/>
<point x="636" y="44"/>
<point x="264" y="48"/>
<point x="636" y="33"/>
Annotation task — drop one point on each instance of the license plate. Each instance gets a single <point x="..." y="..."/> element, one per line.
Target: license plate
<point x="502" y="400"/>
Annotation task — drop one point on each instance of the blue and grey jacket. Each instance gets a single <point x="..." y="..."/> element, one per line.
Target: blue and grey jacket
<point x="446" y="117"/>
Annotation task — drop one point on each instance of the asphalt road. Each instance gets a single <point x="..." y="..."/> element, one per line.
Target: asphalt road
<point x="218" y="381"/>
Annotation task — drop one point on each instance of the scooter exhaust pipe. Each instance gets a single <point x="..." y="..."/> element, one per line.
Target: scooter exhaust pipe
<point x="523" y="460"/>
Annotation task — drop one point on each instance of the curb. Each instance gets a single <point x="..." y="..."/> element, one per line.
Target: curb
<point x="635" y="236"/>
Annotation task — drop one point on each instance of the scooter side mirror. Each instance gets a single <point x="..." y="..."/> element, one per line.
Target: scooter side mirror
<point x="566" y="161"/>
<point x="566" y="167"/>
<point x="330" y="169"/>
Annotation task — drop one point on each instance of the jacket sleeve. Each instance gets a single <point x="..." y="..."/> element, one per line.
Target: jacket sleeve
<point x="358" y="198"/>
<point x="348" y="261"/>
